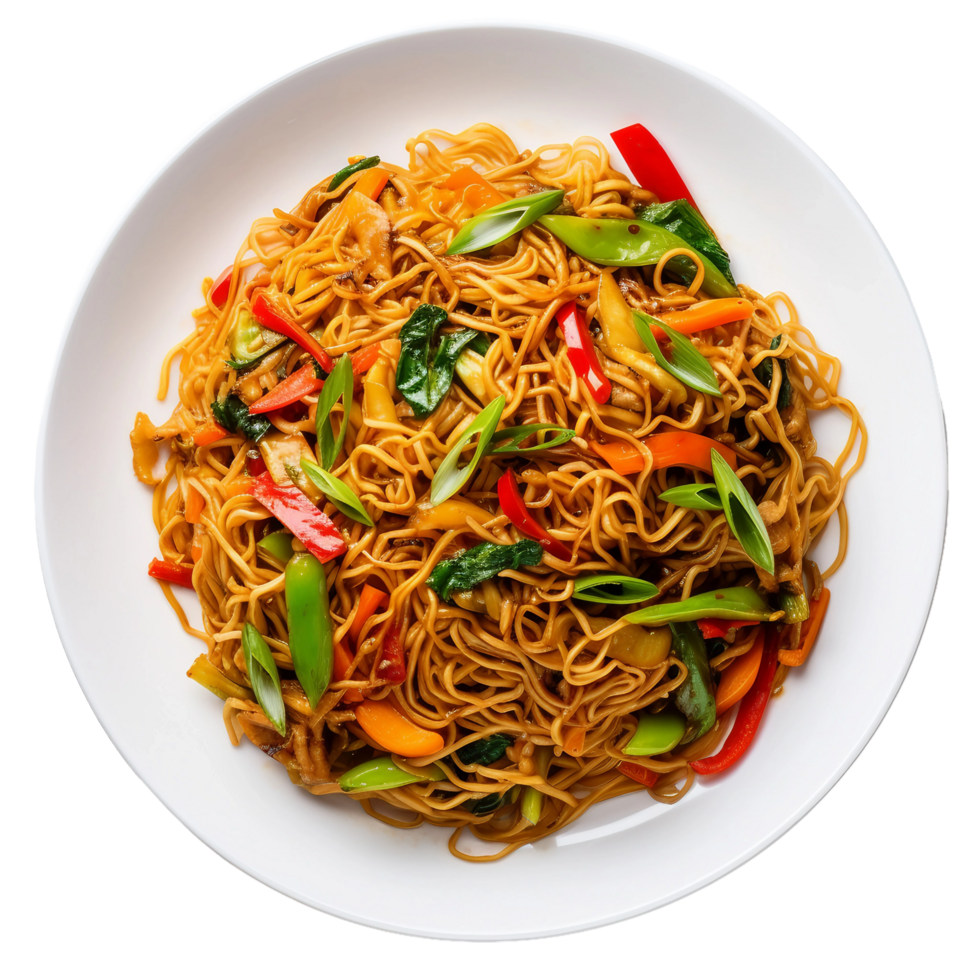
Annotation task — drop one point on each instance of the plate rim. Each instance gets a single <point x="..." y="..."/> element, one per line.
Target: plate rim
<point x="461" y="26"/>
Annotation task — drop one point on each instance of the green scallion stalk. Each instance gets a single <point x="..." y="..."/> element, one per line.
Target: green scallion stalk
<point x="503" y="220"/>
<point x="339" y="384"/>
<point x="686" y="362"/>
<point x="450" y="478"/>
<point x="589" y="588"/>
<point x="696" y="496"/>
<point x="263" y="676"/>
<point x="735" y="602"/>
<point x="337" y="492"/>
<point x="742" y="514"/>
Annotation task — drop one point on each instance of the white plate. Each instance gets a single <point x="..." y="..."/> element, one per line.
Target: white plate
<point x="789" y="225"/>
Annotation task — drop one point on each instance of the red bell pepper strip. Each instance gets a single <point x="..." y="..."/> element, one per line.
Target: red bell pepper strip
<point x="254" y="463"/>
<point x="581" y="352"/>
<point x="390" y="667"/>
<point x="292" y="508"/>
<point x="514" y="507"/>
<point x="291" y="389"/>
<point x="649" y="163"/>
<point x="220" y="287"/>
<point x="264" y="310"/>
<point x="169" y="571"/>
<point x="640" y="773"/>
<point x="712" y="628"/>
<point x="363" y="359"/>
<point x="749" y="715"/>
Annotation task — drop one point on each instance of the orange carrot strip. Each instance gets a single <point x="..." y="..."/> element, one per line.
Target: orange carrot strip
<point x="818" y="609"/>
<point x="372" y="182"/>
<point x="197" y="543"/>
<point x="367" y="606"/>
<point x="739" y="676"/>
<point x="714" y="313"/>
<point x="193" y="505"/>
<point x="474" y="189"/>
<point x="342" y="663"/>
<point x="239" y="487"/>
<point x="575" y="743"/>
<point x="623" y="457"/>
<point x="386" y="725"/>
<point x="668" y="449"/>
<point x="208" y="433"/>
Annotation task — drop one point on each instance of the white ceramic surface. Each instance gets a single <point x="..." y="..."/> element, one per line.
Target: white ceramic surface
<point x="788" y="224"/>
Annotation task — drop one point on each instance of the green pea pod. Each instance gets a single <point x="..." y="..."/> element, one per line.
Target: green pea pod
<point x="278" y="545"/>
<point x="380" y="774"/>
<point x="735" y="602"/>
<point x="310" y="626"/>
<point x="629" y="242"/>
<point x="696" y="696"/>
<point x="503" y="220"/>
<point x="656" y="734"/>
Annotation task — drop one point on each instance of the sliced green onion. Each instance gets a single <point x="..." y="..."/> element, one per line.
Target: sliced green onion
<point x="532" y="799"/>
<point x="503" y="220"/>
<point x="278" y="545"/>
<point x="742" y="514"/>
<point x="264" y="677"/>
<point x="450" y="478"/>
<point x="508" y="440"/>
<point x="796" y="607"/>
<point x="697" y="496"/>
<point x="736" y="602"/>
<point x="588" y="588"/>
<point x="352" y="168"/>
<point x="339" y="384"/>
<point x="686" y="362"/>
<point x="337" y="492"/>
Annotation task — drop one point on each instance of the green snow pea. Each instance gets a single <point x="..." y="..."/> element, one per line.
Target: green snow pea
<point x="379" y="774"/>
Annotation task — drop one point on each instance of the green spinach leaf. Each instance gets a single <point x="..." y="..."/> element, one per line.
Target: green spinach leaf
<point x="425" y="370"/>
<point x="485" y="752"/>
<point x="684" y="221"/>
<point x="478" y="564"/>
<point x="232" y="414"/>
<point x="764" y="373"/>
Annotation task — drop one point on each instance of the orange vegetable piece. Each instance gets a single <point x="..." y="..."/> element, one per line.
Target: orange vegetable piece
<point x="818" y="609"/>
<point x="714" y="313"/>
<point x="371" y="598"/>
<point x="193" y="505"/>
<point x="675" y="448"/>
<point x="739" y="676"/>
<point x="209" y="432"/>
<point x="474" y="189"/>
<point x="385" y="724"/>
<point x="575" y="743"/>
<point x="639" y="773"/>
<point x="363" y="359"/>
<point x="371" y="182"/>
